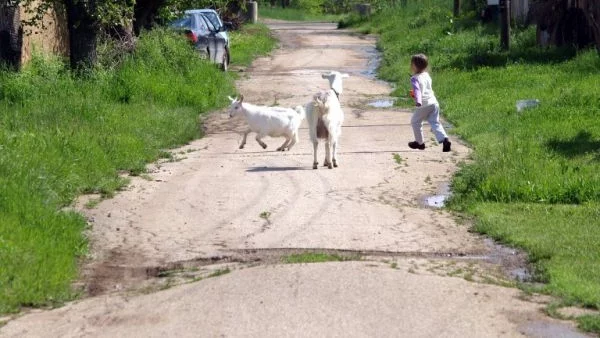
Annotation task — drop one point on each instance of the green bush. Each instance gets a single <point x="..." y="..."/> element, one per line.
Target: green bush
<point x="62" y="136"/>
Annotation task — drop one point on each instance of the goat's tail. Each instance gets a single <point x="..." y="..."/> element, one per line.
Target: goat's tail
<point x="300" y="110"/>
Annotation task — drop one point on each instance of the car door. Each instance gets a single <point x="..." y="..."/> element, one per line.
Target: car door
<point x="203" y="33"/>
<point x="216" y="21"/>
<point x="216" y="43"/>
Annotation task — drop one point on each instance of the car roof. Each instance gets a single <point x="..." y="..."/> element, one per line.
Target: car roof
<point x="205" y="10"/>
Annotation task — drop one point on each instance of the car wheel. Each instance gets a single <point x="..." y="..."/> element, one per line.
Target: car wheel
<point x="225" y="64"/>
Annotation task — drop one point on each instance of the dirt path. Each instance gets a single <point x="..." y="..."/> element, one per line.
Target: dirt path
<point x="219" y="208"/>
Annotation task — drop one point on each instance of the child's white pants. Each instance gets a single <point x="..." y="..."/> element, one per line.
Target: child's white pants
<point x="431" y="113"/>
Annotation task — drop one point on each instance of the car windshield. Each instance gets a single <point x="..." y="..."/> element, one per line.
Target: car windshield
<point x="213" y="19"/>
<point x="185" y="22"/>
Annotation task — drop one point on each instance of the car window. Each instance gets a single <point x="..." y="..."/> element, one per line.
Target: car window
<point x="213" y="19"/>
<point x="200" y="24"/>
<point x="185" y="22"/>
<point x="209" y="24"/>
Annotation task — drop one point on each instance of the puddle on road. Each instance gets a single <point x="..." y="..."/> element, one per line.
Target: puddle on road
<point x="550" y="330"/>
<point x="514" y="262"/>
<point x="373" y="63"/>
<point x="382" y="103"/>
<point x="439" y="200"/>
<point x="436" y="201"/>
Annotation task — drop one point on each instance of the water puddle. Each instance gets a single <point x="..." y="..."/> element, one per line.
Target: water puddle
<point x="436" y="201"/>
<point x="439" y="200"/>
<point x="514" y="262"/>
<point x="373" y="64"/>
<point x="550" y="330"/>
<point x="382" y="103"/>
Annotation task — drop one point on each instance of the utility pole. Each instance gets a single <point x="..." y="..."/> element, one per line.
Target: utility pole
<point x="505" y="24"/>
<point x="456" y="8"/>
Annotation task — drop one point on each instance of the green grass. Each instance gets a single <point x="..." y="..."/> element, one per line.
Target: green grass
<point x="293" y="14"/>
<point x="534" y="177"/>
<point x="315" y="257"/>
<point x="62" y="136"/>
<point x="251" y="41"/>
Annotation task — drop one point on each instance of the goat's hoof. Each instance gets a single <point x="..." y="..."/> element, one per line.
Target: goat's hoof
<point x="264" y="146"/>
<point x="242" y="146"/>
<point x="335" y="163"/>
<point x="330" y="166"/>
<point x="316" y="165"/>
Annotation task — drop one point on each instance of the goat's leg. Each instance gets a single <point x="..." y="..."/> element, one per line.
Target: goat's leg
<point x="259" y="140"/>
<point x="328" y="154"/>
<point x="294" y="141"/>
<point x="284" y="145"/>
<point x="335" y="154"/>
<point x="244" y="138"/>
<point x="316" y="147"/>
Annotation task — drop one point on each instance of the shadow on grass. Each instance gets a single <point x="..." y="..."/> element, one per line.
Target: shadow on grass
<point x="492" y="58"/>
<point x="582" y="144"/>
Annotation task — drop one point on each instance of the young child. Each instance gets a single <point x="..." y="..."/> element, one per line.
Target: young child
<point x="428" y="107"/>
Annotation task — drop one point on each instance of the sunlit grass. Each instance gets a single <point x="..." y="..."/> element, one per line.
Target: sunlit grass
<point x="534" y="178"/>
<point x="62" y="136"/>
<point x="292" y="14"/>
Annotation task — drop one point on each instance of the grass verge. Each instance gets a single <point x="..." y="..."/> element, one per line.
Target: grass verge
<point x="249" y="42"/>
<point x="534" y="175"/>
<point x="62" y="136"/>
<point x="315" y="257"/>
<point x="293" y="14"/>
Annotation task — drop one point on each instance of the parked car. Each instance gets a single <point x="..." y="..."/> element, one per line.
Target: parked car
<point x="208" y="33"/>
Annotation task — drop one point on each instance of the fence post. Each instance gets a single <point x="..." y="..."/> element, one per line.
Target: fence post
<point x="252" y="11"/>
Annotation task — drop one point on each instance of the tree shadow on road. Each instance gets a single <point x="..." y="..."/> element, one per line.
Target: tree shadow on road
<point x="267" y="169"/>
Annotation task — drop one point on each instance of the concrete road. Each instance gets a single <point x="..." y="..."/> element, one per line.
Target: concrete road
<point x="219" y="204"/>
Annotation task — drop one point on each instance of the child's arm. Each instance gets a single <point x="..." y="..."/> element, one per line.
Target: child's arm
<point x="416" y="91"/>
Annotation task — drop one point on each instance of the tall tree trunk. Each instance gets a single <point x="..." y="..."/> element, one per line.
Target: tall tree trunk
<point x="144" y="13"/>
<point x="11" y="36"/>
<point x="83" y="32"/>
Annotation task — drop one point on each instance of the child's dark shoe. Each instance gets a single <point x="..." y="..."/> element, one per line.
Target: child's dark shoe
<point x="416" y="145"/>
<point x="446" y="145"/>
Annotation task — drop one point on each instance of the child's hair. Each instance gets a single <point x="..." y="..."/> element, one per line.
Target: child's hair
<point x="420" y="61"/>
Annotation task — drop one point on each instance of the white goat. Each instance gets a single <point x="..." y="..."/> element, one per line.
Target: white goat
<point x="335" y="81"/>
<point x="325" y="118"/>
<point x="269" y="121"/>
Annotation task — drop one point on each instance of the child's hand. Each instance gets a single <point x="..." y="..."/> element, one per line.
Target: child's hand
<point x="412" y="93"/>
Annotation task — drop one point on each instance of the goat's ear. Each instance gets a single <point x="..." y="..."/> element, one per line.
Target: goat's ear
<point x="231" y="99"/>
<point x="325" y="75"/>
<point x="241" y="98"/>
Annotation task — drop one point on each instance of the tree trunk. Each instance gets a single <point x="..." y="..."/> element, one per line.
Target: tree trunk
<point x="11" y="36"/>
<point x="83" y="33"/>
<point x="144" y="14"/>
